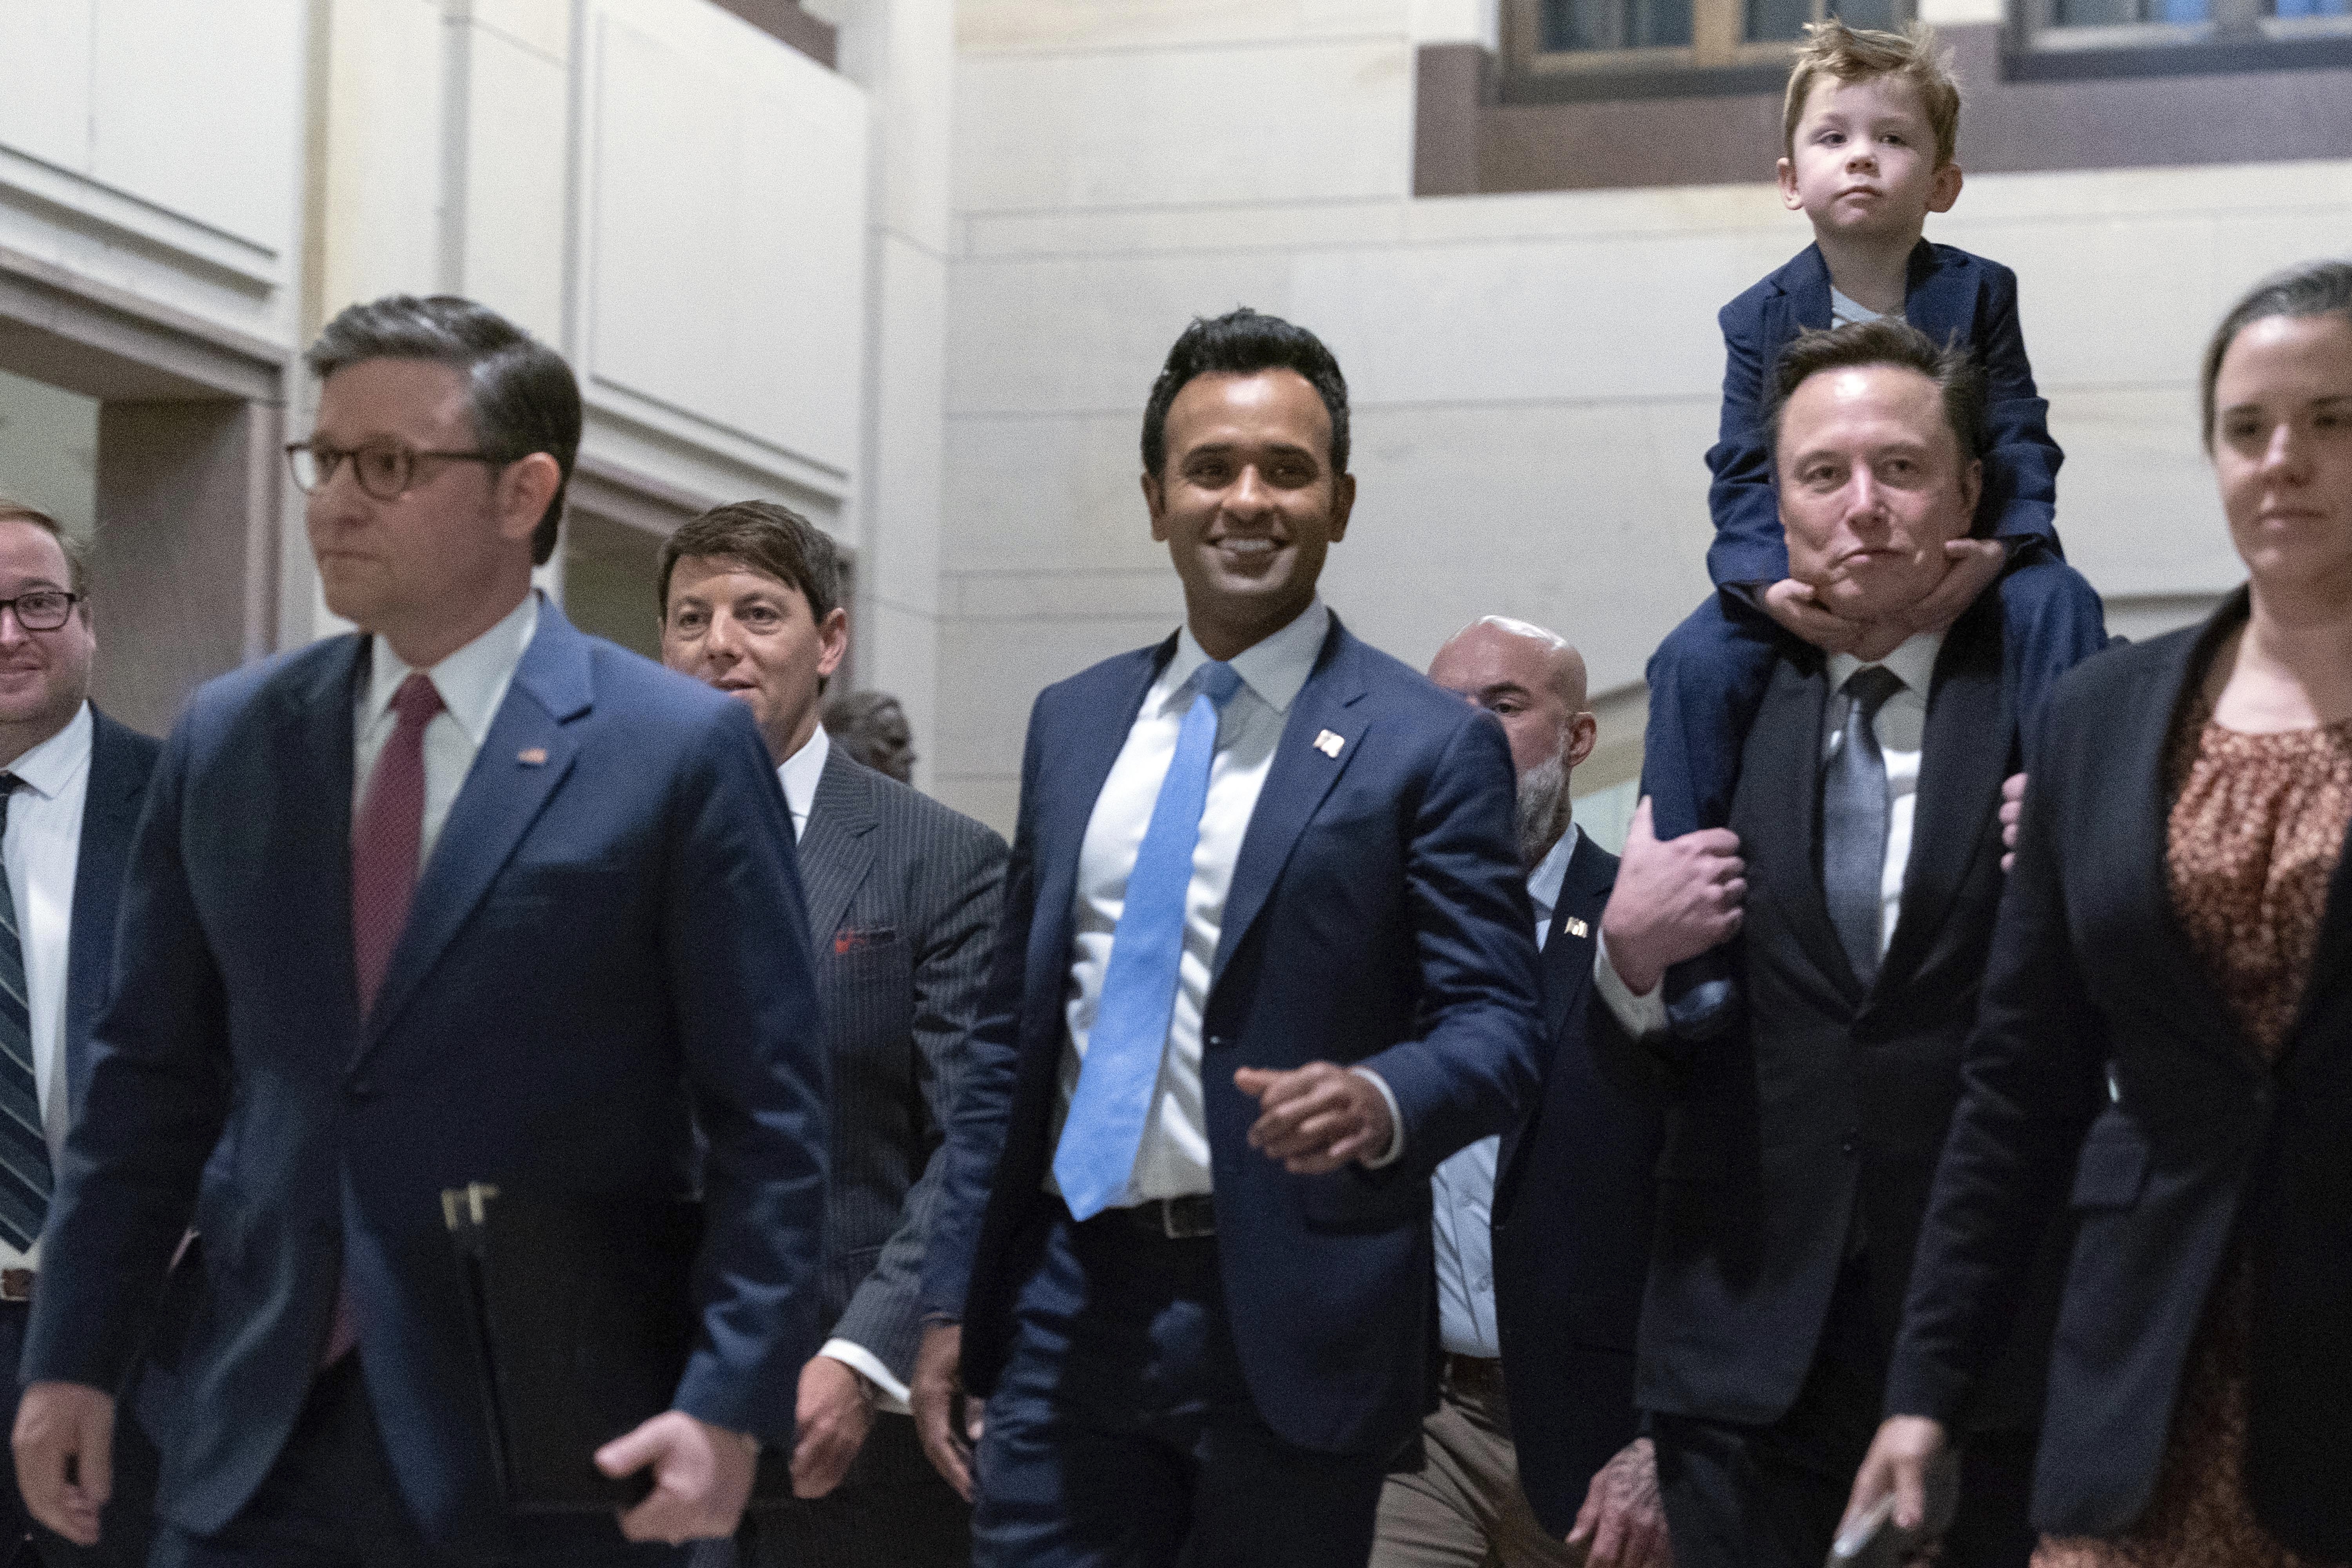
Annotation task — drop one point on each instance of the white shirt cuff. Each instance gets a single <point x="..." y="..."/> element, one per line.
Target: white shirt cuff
<point x="1641" y="1015"/>
<point x="1396" y="1119"/>
<point x="858" y="1359"/>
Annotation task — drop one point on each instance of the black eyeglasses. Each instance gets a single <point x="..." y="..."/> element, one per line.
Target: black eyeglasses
<point x="42" y="609"/>
<point x="385" y="470"/>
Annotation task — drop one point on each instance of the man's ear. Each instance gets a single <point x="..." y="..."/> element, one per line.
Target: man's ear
<point x="1583" y="734"/>
<point x="524" y="489"/>
<point x="833" y="640"/>
<point x="1343" y="505"/>
<point x="1971" y="490"/>
<point x="1155" y="502"/>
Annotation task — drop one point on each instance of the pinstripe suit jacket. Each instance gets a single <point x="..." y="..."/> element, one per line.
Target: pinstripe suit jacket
<point x="902" y="899"/>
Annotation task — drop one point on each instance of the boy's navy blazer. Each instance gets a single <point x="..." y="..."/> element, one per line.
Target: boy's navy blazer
<point x="120" y="762"/>
<point x="1377" y="914"/>
<point x="1948" y="294"/>
<point x="609" y="927"/>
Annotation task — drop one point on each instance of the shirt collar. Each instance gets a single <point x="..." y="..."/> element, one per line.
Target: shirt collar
<point x="1275" y="667"/>
<point x="799" y="773"/>
<point x="472" y="681"/>
<point x="1544" y="882"/>
<point x="1913" y="663"/>
<point x="49" y="768"/>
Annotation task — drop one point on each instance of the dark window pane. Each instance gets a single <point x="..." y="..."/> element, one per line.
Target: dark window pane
<point x="2314" y="8"/>
<point x="1775" y="19"/>
<point x="1887" y="14"/>
<point x="2095" y="12"/>
<point x="1616" y="24"/>
<point x="1661" y="23"/>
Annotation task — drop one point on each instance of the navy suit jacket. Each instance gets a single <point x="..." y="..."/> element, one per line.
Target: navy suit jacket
<point x="606" y="945"/>
<point x="1949" y="292"/>
<point x="120" y="762"/>
<point x="1572" y="1219"/>
<point x="1378" y="914"/>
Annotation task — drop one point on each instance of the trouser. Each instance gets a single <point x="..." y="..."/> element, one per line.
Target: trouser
<point x="1460" y="1505"/>
<point x="332" y="1502"/>
<point x="1121" y="1434"/>
<point x="892" y="1510"/>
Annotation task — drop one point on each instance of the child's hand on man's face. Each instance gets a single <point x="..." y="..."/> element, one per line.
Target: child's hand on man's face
<point x="1974" y="563"/>
<point x="1797" y="607"/>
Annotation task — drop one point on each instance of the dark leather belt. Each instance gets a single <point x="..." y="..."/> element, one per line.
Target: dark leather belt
<point x="1474" y="1373"/>
<point x="1175" y="1219"/>
<point x="15" y="1284"/>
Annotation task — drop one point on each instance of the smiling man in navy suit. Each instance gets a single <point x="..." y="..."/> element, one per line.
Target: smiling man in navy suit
<point x="1265" y="962"/>
<point x="465" y="896"/>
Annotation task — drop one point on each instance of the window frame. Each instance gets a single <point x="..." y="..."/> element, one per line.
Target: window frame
<point x="1717" y="43"/>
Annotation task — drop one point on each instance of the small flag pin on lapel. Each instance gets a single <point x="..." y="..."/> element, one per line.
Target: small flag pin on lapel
<point x="532" y="756"/>
<point x="1575" y="927"/>
<point x="1328" y="743"/>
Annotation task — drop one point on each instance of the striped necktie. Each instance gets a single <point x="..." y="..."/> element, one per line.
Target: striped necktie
<point x="23" y="1147"/>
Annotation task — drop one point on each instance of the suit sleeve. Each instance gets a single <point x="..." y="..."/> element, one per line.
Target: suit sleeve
<point x="2031" y="1084"/>
<point x="735" y="934"/>
<point x="1476" y="1065"/>
<point x="1749" y="544"/>
<point x="885" y="1315"/>
<point x="157" y="1100"/>
<point x="977" y="1124"/>
<point x="2021" y="462"/>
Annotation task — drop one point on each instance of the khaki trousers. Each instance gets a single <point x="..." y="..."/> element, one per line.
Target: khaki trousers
<point x="1462" y="1508"/>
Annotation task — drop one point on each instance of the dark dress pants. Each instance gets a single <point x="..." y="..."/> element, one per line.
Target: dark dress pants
<point x="892" y="1510"/>
<point x="1740" y="1495"/>
<point x="126" y="1526"/>
<point x="1121" y="1434"/>
<point x="332" y="1502"/>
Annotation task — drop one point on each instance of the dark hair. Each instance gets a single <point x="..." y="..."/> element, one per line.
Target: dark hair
<point x="1952" y="368"/>
<point x="1241" y="341"/>
<point x="76" y="553"/>
<point x="766" y="537"/>
<point x="2313" y="289"/>
<point x="520" y="393"/>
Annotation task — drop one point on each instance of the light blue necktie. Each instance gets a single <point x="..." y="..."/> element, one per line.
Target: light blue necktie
<point x="1096" y="1154"/>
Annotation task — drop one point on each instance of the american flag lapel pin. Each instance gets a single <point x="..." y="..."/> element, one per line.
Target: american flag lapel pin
<point x="1328" y="743"/>
<point x="1575" y="927"/>
<point x="532" y="756"/>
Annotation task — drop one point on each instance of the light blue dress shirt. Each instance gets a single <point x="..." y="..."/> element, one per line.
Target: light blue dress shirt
<point x="1463" y="1186"/>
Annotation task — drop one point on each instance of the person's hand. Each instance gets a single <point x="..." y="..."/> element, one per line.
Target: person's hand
<point x="65" y="1456"/>
<point x="1974" y="563"/>
<point x="1622" y="1523"/>
<point x="834" y="1412"/>
<point x="1317" y="1118"/>
<point x="702" y="1478"/>
<point x="1674" y="898"/>
<point x="1796" y="606"/>
<point x="1898" y="1462"/>
<point x="932" y="1395"/>
<point x="2012" y="812"/>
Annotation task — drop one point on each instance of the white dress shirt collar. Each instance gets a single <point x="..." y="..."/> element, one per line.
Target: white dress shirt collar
<point x="472" y="681"/>
<point x="1913" y="663"/>
<point x="1275" y="667"/>
<point x="49" y="768"/>
<point x="799" y="776"/>
<point x="1545" y="881"/>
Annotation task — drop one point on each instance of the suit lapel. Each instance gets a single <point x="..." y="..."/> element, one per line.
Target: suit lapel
<point x="1939" y="298"/>
<point x="1964" y="755"/>
<point x="1568" y="946"/>
<point x="521" y="762"/>
<point x="306" y="778"/>
<point x="1807" y="298"/>
<point x="1782" y="768"/>
<point x="1299" y="777"/>
<point x="835" y="852"/>
<point x="109" y="813"/>
<point x="1076" y="763"/>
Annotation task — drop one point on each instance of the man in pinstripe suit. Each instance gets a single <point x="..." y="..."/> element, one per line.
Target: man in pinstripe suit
<point x="902" y="897"/>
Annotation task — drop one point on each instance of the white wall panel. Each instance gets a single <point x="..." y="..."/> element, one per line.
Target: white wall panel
<point x="1313" y="121"/>
<point x="45" y="86"/>
<point x="725" y="272"/>
<point x="1007" y="26"/>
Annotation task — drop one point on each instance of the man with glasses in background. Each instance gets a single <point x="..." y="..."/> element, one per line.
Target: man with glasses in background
<point x="71" y="781"/>
<point x="466" y="897"/>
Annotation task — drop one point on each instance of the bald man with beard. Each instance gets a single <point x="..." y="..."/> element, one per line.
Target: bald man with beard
<point x="1539" y="1272"/>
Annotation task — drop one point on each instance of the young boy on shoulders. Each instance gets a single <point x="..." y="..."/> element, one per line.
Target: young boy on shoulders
<point x="1869" y="133"/>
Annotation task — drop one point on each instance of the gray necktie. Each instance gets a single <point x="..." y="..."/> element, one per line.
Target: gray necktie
<point x="23" y="1147"/>
<point x="1853" y="821"/>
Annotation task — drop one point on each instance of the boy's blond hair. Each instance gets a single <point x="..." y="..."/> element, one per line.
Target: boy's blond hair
<point x="1857" y="54"/>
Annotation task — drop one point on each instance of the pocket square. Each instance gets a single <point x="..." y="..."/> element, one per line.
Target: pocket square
<point x="848" y="940"/>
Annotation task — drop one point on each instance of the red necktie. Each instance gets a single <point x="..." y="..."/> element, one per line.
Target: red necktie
<point x="387" y="841"/>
